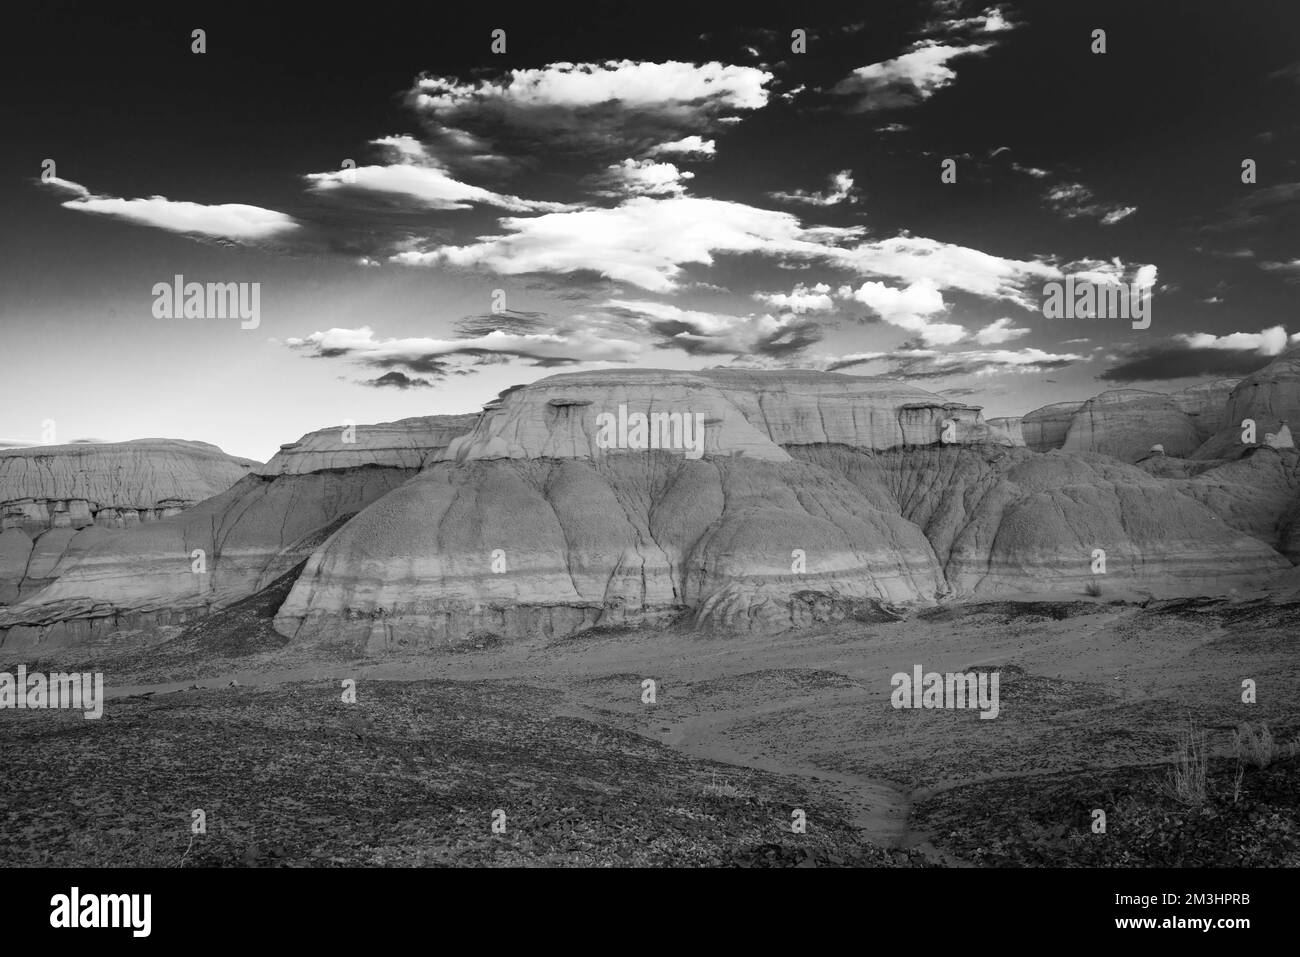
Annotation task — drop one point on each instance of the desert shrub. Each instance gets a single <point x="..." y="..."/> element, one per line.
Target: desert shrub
<point x="1257" y="747"/>
<point x="1186" y="782"/>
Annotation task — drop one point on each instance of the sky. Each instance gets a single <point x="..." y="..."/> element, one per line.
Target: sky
<point x="430" y="219"/>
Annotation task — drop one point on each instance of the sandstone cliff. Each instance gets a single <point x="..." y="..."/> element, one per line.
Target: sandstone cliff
<point x="749" y="500"/>
<point x="1126" y="423"/>
<point x="53" y="498"/>
<point x="247" y="536"/>
<point x="809" y="486"/>
<point x="1045" y="429"/>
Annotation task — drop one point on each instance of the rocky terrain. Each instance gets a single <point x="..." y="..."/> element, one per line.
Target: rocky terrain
<point x="729" y="500"/>
<point x="501" y="585"/>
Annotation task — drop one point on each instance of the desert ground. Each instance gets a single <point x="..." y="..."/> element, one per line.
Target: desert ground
<point x="1098" y="697"/>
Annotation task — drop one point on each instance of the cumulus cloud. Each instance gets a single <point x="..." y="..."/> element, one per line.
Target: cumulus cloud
<point x="800" y="299"/>
<point x="622" y="105"/>
<point x="688" y="147"/>
<point x="906" y="80"/>
<point x="911" y="308"/>
<point x="644" y="241"/>
<point x="645" y="178"/>
<point x="839" y="190"/>
<point x="1267" y="342"/>
<point x="996" y="333"/>
<point x="233" y="221"/>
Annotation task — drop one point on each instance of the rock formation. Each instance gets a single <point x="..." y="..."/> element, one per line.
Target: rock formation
<point x="245" y="537"/>
<point x="1125" y="423"/>
<point x="1270" y="398"/>
<point x="56" y="499"/>
<point x="1206" y="405"/>
<point x="1009" y="426"/>
<point x="1044" y="429"/>
<point x="810" y="484"/>
<point x="748" y="500"/>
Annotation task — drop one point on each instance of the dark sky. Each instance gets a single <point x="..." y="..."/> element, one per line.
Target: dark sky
<point x="658" y="186"/>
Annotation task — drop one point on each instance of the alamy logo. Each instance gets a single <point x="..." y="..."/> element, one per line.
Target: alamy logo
<point x="1084" y="299"/>
<point x="683" y="431"/>
<point x="103" y="910"/>
<point x="76" y="691"/>
<point x="952" y="690"/>
<point x="212" y="300"/>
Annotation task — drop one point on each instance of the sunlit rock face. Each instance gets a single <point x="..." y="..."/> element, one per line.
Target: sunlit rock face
<point x="1125" y="423"/>
<point x="753" y="414"/>
<point x="736" y="500"/>
<point x="55" y="499"/>
<point x="231" y="544"/>
<point x="808" y="484"/>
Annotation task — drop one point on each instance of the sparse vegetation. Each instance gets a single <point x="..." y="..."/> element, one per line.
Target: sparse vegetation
<point x="1256" y="747"/>
<point x="1187" y="779"/>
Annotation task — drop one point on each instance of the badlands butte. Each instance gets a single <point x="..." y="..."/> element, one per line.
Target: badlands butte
<point x="818" y="497"/>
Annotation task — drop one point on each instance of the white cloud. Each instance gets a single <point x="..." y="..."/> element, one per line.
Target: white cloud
<point x="930" y="363"/>
<point x="432" y="187"/>
<point x="615" y="105"/>
<point x="646" y="178"/>
<point x="644" y="241"/>
<point x="1033" y="171"/>
<point x="1268" y="342"/>
<point x="992" y="20"/>
<point x="999" y="332"/>
<point x="638" y="85"/>
<point x="800" y="299"/>
<point x="67" y="186"/>
<point x="1292" y="266"/>
<point x="1076" y="201"/>
<point x="406" y="149"/>
<point x="234" y="221"/>
<point x="1101" y="271"/>
<point x="910" y="308"/>
<point x="1116" y="213"/>
<point x="905" y="80"/>
<point x="912" y="259"/>
<point x="839" y="190"/>
<point x="692" y="146"/>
